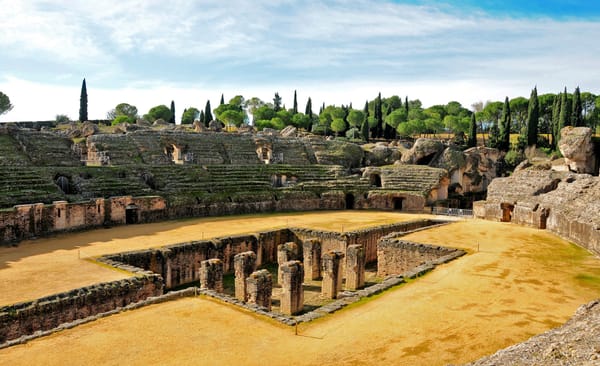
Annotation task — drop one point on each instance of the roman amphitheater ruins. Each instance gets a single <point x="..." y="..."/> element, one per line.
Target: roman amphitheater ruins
<point x="175" y="246"/>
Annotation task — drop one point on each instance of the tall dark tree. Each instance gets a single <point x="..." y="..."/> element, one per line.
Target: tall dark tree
<point x="577" y="117"/>
<point x="378" y="116"/>
<point x="308" y="110"/>
<point x="364" y="130"/>
<point x="83" y="103"/>
<point x="533" y="117"/>
<point x="472" y="142"/>
<point x="406" y="104"/>
<point x="295" y="108"/>
<point x="201" y="118"/>
<point x="208" y="117"/>
<point x="277" y="103"/>
<point x="504" y="143"/>
<point x="565" y="112"/>
<point x="172" y="119"/>
<point x="556" y="120"/>
<point x="222" y="99"/>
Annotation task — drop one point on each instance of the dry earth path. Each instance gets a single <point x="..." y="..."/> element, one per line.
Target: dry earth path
<point x="519" y="283"/>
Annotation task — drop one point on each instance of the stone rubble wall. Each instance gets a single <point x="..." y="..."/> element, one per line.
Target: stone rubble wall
<point x="50" y="312"/>
<point x="395" y="256"/>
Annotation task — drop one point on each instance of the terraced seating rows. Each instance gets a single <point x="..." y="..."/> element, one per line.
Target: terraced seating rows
<point x="25" y="184"/>
<point x="47" y="149"/>
<point x="411" y="178"/>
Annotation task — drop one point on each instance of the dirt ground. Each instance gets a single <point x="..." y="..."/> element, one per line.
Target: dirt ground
<point x="42" y="267"/>
<point x="514" y="283"/>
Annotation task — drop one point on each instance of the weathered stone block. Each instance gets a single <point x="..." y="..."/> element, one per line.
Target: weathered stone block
<point x="292" y="294"/>
<point x="211" y="275"/>
<point x="244" y="264"/>
<point x="285" y="253"/>
<point x="260" y="288"/>
<point x="332" y="274"/>
<point x="355" y="267"/>
<point x="312" y="259"/>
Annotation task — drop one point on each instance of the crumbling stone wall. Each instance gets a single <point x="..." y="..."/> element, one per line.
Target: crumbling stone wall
<point x="355" y="267"/>
<point x="49" y="312"/>
<point x="244" y="265"/>
<point x="292" y="293"/>
<point x="332" y="274"/>
<point x="259" y="286"/>
<point x="211" y="275"/>
<point x="395" y="256"/>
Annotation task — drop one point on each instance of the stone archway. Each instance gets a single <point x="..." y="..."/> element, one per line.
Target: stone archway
<point x="507" y="210"/>
<point x="375" y="180"/>
<point x="398" y="203"/>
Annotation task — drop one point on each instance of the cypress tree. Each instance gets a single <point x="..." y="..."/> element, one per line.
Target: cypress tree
<point x="308" y="109"/>
<point x="366" y="110"/>
<point x="577" y="118"/>
<point x="172" y="119"/>
<point x="406" y="105"/>
<point x="556" y="120"/>
<point x="201" y="118"/>
<point x="364" y="130"/>
<point x="379" y="116"/>
<point x="565" y="112"/>
<point x="494" y="135"/>
<point x="472" y="142"/>
<point x="504" y="143"/>
<point x="277" y="103"/>
<point x="208" y="117"/>
<point x="295" y="108"/>
<point x="83" y="103"/>
<point x="533" y="117"/>
<point x="222" y="99"/>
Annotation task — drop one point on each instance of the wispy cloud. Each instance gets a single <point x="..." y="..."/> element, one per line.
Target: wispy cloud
<point x="206" y="44"/>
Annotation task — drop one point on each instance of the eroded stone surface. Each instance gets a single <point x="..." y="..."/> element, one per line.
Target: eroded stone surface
<point x="292" y="294"/>
<point x="576" y="146"/>
<point x="244" y="264"/>
<point x="259" y="286"/>
<point x="332" y="274"/>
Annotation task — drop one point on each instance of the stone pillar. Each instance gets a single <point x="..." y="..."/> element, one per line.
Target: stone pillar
<point x="260" y="288"/>
<point x="292" y="294"/>
<point x="355" y="267"/>
<point x="332" y="274"/>
<point x="211" y="275"/>
<point x="244" y="264"/>
<point x="312" y="259"/>
<point x="285" y="253"/>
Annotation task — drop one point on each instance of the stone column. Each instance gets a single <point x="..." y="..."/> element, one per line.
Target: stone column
<point x="244" y="264"/>
<point x="211" y="275"/>
<point x="312" y="259"/>
<point x="260" y="288"/>
<point x="332" y="274"/>
<point x="292" y="294"/>
<point x="285" y="253"/>
<point x="355" y="267"/>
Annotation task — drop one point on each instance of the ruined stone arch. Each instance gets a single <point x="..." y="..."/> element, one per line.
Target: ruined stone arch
<point x="375" y="180"/>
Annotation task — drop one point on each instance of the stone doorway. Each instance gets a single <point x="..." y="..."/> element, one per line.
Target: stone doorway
<point x="507" y="210"/>
<point x="398" y="203"/>
<point x="131" y="214"/>
<point x="349" y="201"/>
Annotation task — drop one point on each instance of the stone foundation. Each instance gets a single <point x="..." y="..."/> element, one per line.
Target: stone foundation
<point x="244" y="264"/>
<point x="260" y="288"/>
<point x="355" y="267"/>
<point x="211" y="275"/>
<point x="292" y="294"/>
<point x="332" y="274"/>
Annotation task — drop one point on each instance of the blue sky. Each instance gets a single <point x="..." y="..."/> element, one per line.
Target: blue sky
<point x="151" y="52"/>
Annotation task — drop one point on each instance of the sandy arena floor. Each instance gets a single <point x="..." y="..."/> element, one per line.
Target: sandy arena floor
<point x="42" y="267"/>
<point x="519" y="283"/>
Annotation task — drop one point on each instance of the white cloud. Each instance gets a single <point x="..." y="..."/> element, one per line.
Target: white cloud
<point x="337" y="51"/>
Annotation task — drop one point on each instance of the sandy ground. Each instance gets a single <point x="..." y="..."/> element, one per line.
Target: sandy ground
<point x="520" y="282"/>
<point x="47" y="266"/>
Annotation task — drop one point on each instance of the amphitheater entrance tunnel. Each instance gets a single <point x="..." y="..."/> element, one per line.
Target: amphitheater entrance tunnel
<point x="131" y="214"/>
<point x="375" y="180"/>
<point x="398" y="202"/>
<point x="349" y="201"/>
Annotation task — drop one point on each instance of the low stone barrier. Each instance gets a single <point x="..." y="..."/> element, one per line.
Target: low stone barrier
<point x="50" y="312"/>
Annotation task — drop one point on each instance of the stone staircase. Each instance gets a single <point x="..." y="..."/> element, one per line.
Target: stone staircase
<point x="411" y="178"/>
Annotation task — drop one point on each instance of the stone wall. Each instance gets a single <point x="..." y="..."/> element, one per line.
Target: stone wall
<point x="564" y="203"/>
<point x="38" y="219"/>
<point x="395" y="256"/>
<point x="50" y="312"/>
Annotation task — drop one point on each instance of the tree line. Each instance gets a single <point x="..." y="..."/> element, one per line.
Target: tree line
<point x="537" y="120"/>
